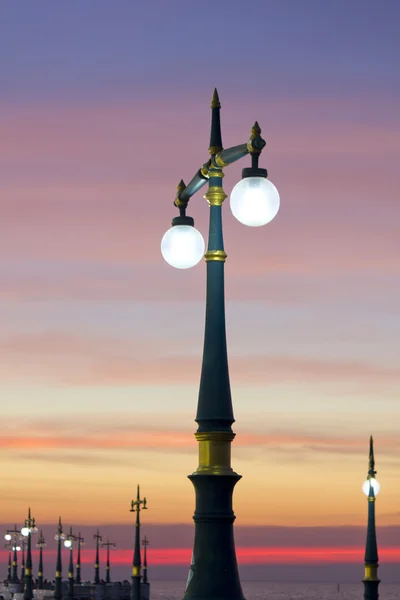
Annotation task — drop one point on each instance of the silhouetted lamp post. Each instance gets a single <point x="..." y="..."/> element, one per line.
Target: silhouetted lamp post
<point x="22" y="578"/>
<point x="8" y="545"/>
<point x="27" y="531"/>
<point x="371" y="489"/>
<point x="81" y="542"/>
<point x="136" y="506"/>
<point x="254" y="201"/>
<point x="59" y="537"/>
<point x="41" y="543"/>
<point x="68" y="543"/>
<point x="108" y="545"/>
<point x="10" y="534"/>
<point x="145" y="543"/>
<point x="98" y="539"/>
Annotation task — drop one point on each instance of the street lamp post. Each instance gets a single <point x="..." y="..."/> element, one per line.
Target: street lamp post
<point x="27" y="531"/>
<point x="68" y="543"/>
<point x="80" y="541"/>
<point x="145" y="543"/>
<point x="22" y="578"/>
<point x="108" y="545"/>
<point x="13" y="533"/>
<point x="59" y="537"/>
<point x="254" y="201"/>
<point x="41" y="543"/>
<point x="98" y="539"/>
<point x="136" y="506"/>
<point x="371" y="489"/>
<point x="9" y="546"/>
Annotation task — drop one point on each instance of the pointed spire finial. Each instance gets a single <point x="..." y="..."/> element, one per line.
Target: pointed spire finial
<point x="215" y="103"/>
<point x="371" y="462"/>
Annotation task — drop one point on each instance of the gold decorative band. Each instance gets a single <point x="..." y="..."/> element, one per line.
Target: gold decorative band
<point x="14" y="563"/>
<point x="96" y="566"/>
<point x="215" y="195"/>
<point x="135" y="571"/>
<point x="40" y="574"/>
<point x="215" y="173"/>
<point x="28" y="572"/>
<point x="214" y="149"/>
<point x="371" y="573"/>
<point x="70" y="575"/>
<point x="58" y="574"/>
<point x="218" y="255"/>
<point x="214" y="452"/>
<point x="220" y="162"/>
<point x="205" y="171"/>
<point x="371" y="498"/>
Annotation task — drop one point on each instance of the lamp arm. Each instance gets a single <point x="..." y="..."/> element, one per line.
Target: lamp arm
<point x="222" y="159"/>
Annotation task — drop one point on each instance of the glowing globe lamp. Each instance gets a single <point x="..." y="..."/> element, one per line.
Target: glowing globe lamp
<point x="25" y="531"/>
<point x="182" y="246"/>
<point x="68" y="543"/>
<point x="254" y="201"/>
<point x="7" y="537"/>
<point x="371" y="482"/>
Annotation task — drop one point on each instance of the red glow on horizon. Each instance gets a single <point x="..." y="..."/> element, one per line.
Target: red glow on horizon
<point x="245" y="556"/>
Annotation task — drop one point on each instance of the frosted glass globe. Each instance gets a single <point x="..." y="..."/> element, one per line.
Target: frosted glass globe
<point x="25" y="531"/>
<point x="7" y="537"/>
<point x="375" y="486"/>
<point x="182" y="246"/>
<point x="68" y="543"/>
<point x="254" y="201"/>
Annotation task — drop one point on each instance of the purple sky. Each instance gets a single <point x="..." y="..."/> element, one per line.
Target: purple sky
<point x="103" y="108"/>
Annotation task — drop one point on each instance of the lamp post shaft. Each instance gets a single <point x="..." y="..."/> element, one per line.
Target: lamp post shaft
<point x="9" y="575"/>
<point x="28" y="591"/>
<point x="213" y="574"/>
<point x="145" y="543"/>
<point x="136" y="567"/>
<point x="58" y="593"/>
<point x="71" y="574"/>
<point x="78" y="560"/>
<point x="98" y="539"/>
<point x="40" y="569"/>
<point x="371" y="560"/>
<point x="15" y="559"/>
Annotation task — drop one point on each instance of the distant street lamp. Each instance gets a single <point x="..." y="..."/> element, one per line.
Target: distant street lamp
<point x="81" y="542"/>
<point x="41" y="543"/>
<point x="22" y="578"/>
<point x="98" y="539"/>
<point x="68" y="543"/>
<point x="59" y="537"/>
<point x="136" y="506"/>
<point x="371" y="489"/>
<point x="108" y="545"/>
<point x="10" y="534"/>
<point x="254" y="202"/>
<point x="27" y="531"/>
<point x="145" y="543"/>
<point x="9" y="546"/>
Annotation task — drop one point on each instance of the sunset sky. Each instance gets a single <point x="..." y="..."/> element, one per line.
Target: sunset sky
<point x="104" y="107"/>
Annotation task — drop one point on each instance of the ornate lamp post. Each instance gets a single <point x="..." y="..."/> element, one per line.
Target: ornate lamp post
<point x="81" y="542"/>
<point x="108" y="545"/>
<point x="59" y="537"/>
<point x="13" y="533"/>
<point x="9" y="546"/>
<point x="136" y="506"/>
<point x="22" y="578"/>
<point x="371" y="489"/>
<point x="98" y="539"/>
<point x="68" y="543"/>
<point x="145" y="543"/>
<point x="41" y="543"/>
<point x="27" y="531"/>
<point x="254" y="201"/>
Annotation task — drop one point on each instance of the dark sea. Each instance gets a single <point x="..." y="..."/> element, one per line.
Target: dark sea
<point x="171" y="590"/>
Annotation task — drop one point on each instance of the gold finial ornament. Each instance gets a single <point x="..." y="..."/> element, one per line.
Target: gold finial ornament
<point x="215" y="103"/>
<point x="255" y="133"/>
<point x="177" y="202"/>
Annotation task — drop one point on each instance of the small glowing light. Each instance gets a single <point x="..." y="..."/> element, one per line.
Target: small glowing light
<point x="182" y="246"/>
<point x="68" y="543"/>
<point x="25" y="531"/>
<point x="7" y="537"/>
<point x="371" y="482"/>
<point x="254" y="201"/>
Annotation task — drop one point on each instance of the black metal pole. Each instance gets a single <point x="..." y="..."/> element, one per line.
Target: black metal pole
<point x="58" y="592"/>
<point x="371" y="560"/>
